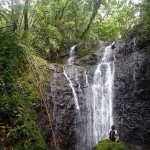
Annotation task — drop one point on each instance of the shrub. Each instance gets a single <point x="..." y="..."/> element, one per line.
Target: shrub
<point x="109" y="145"/>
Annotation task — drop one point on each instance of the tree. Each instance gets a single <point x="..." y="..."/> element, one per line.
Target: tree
<point x="96" y="6"/>
<point x="26" y="15"/>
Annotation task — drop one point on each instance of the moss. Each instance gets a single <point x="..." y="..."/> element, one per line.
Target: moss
<point x="86" y="48"/>
<point x="27" y="135"/>
<point x="34" y="142"/>
<point x="30" y="82"/>
<point x="109" y="145"/>
<point x="18" y="114"/>
<point x="23" y="83"/>
<point x="37" y="75"/>
<point x="87" y="60"/>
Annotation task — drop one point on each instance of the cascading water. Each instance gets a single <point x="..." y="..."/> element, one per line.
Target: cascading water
<point x="77" y="77"/>
<point x="70" y="75"/>
<point x="92" y="98"/>
<point x="96" y="117"/>
<point x="102" y="91"/>
<point x="71" y="55"/>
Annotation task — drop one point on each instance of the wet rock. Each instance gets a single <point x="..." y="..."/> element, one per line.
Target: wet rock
<point x="131" y="98"/>
<point x="132" y="95"/>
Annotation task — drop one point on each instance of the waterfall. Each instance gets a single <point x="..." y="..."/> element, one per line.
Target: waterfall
<point x="71" y="55"/>
<point x="134" y="41"/>
<point x="71" y="73"/>
<point x="96" y="116"/>
<point x="86" y="78"/>
<point x="93" y="97"/>
<point x="102" y="91"/>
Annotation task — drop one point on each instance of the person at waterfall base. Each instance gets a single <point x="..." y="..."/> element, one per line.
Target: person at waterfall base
<point x="113" y="136"/>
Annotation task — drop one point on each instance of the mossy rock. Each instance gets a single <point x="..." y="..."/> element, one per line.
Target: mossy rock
<point x="86" y="48"/>
<point x="87" y="60"/>
<point x="84" y="53"/>
<point x="109" y="145"/>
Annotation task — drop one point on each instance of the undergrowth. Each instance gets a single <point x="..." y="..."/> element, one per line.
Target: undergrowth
<point x="109" y="145"/>
<point x="19" y="94"/>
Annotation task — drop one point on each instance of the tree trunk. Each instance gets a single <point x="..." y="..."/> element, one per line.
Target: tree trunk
<point x="32" y="15"/>
<point x="26" y="15"/>
<point x="63" y="10"/>
<point x="14" y="22"/>
<point x="95" y="10"/>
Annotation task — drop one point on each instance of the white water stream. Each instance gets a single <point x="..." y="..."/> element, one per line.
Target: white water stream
<point x="71" y="55"/>
<point x="98" y="96"/>
<point x="102" y="91"/>
<point x="71" y="73"/>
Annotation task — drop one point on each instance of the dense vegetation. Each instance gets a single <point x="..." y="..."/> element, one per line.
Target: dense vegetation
<point x="33" y="33"/>
<point x="109" y="145"/>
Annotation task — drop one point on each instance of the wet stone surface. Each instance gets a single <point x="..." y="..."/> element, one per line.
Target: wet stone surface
<point x="132" y="97"/>
<point x="131" y="103"/>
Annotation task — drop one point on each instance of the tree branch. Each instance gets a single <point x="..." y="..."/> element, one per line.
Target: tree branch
<point x="26" y="15"/>
<point x="33" y="15"/>
<point x="95" y="10"/>
<point x="63" y="10"/>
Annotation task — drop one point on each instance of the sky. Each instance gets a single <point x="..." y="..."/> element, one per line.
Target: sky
<point x="137" y="1"/>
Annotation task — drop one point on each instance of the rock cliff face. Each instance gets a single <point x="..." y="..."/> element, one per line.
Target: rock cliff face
<point x="62" y="110"/>
<point x="66" y="120"/>
<point x="131" y="103"/>
<point x="132" y="96"/>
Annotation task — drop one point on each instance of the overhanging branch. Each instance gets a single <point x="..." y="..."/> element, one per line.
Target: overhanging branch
<point x="96" y="6"/>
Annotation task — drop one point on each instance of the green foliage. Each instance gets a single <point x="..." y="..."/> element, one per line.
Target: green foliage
<point x="85" y="48"/>
<point x="54" y="26"/>
<point x="109" y="145"/>
<point x="107" y="30"/>
<point x="12" y="57"/>
<point x="145" y="19"/>
<point x="19" y="119"/>
<point x="18" y="93"/>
